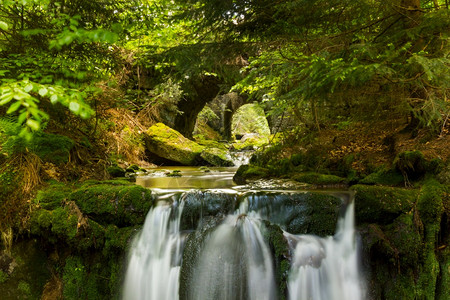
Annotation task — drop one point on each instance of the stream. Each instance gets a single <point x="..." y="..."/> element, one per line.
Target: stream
<point x="209" y="239"/>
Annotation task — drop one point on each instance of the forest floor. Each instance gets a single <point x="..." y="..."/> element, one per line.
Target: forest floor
<point x="378" y="142"/>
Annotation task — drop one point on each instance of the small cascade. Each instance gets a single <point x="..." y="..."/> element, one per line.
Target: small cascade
<point x="232" y="255"/>
<point x="241" y="157"/>
<point x="326" y="268"/>
<point x="155" y="258"/>
<point x="235" y="262"/>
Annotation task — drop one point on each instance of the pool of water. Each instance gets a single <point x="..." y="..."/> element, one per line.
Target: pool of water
<point x="191" y="178"/>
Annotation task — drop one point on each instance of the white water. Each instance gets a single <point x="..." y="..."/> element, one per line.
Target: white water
<point x="155" y="258"/>
<point x="326" y="268"/>
<point x="235" y="262"/>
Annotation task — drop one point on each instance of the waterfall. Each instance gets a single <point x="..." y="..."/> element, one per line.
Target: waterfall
<point x="155" y="257"/>
<point x="236" y="262"/>
<point x="326" y="268"/>
<point x="228" y="256"/>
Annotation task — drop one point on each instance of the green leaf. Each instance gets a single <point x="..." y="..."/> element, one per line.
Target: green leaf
<point x="43" y="91"/>
<point x="74" y="107"/>
<point x="28" y="88"/>
<point x="22" y="117"/>
<point x="15" y="106"/>
<point x="5" y="98"/>
<point x="20" y="95"/>
<point x="54" y="98"/>
<point x="3" y="26"/>
<point x="33" y="124"/>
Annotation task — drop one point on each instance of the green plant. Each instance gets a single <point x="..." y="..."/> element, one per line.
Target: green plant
<point x="3" y="277"/>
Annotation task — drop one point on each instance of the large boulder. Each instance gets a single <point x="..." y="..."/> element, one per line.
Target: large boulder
<point x="168" y="145"/>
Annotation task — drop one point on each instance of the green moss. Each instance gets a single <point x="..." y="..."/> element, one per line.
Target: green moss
<point x="174" y="173"/>
<point x="250" y="143"/>
<point x="280" y="251"/>
<point x="117" y="240"/>
<point x="405" y="238"/>
<point x="216" y="157"/>
<point x="430" y="208"/>
<point x="74" y="279"/>
<point x="64" y="223"/>
<point x="384" y="176"/>
<point x="52" y="196"/>
<point x="56" y="224"/>
<point x="442" y="289"/>
<point x="246" y="172"/>
<point x="7" y="183"/>
<point x="24" y="289"/>
<point x="169" y="144"/>
<point x="117" y="204"/>
<point x="320" y="179"/>
<point x="52" y="147"/>
<point x="411" y="164"/>
<point x="3" y="277"/>
<point x="380" y="204"/>
<point x="430" y="204"/>
<point x="115" y="171"/>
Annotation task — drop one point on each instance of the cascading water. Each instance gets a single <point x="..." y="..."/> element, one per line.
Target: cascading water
<point x="326" y="268"/>
<point x="228" y="257"/>
<point x="155" y="260"/>
<point x="236" y="262"/>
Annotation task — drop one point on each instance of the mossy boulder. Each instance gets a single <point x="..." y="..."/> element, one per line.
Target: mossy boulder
<point x="413" y="165"/>
<point x="381" y="204"/>
<point x="384" y="176"/>
<point x="407" y="256"/>
<point x="167" y="144"/>
<point x="52" y="147"/>
<point x="52" y="196"/>
<point x="122" y="205"/>
<point x="116" y="171"/>
<point x="319" y="179"/>
<point x="249" y="172"/>
<point x="216" y="157"/>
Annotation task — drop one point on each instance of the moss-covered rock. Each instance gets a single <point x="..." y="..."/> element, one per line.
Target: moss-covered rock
<point x="116" y="171"/>
<point x="122" y="205"/>
<point x="216" y="157"/>
<point x="319" y="179"/>
<point x="380" y="204"/>
<point x="280" y="252"/>
<point x="52" y="196"/>
<point x="52" y="147"/>
<point x="406" y="257"/>
<point x="168" y="144"/>
<point x="384" y="176"/>
<point x="249" y="172"/>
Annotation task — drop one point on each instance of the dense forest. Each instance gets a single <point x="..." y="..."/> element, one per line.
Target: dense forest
<point x="328" y="94"/>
